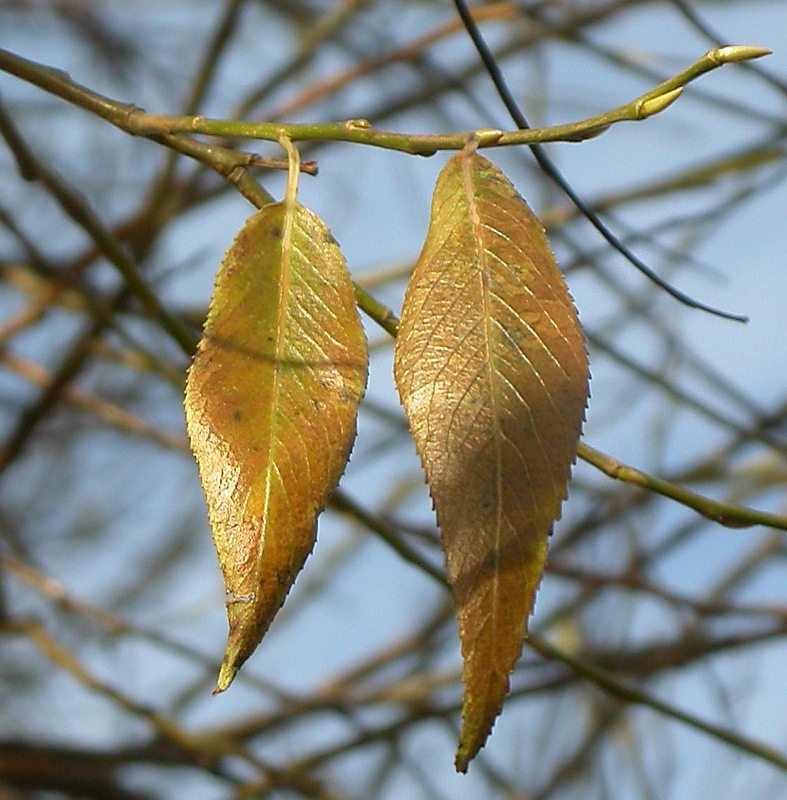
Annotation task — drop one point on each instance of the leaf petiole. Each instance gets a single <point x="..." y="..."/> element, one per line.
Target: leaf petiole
<point x="293" y="169"/>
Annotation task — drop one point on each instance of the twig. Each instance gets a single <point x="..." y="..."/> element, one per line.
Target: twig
<point x="727" y="514"/>
<point x="138" y="122"/>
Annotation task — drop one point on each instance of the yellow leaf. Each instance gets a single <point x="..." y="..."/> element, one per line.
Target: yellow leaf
<point x="271" y="402"/>
<point x="491" y="367"/>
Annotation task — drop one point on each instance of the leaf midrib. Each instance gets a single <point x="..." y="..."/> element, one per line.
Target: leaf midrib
<point x="478" y="236"/>
<point x="285" y="248"/>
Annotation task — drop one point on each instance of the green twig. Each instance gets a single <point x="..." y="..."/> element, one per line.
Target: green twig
<point x="170" y="130"/>
<point x="376" y="310"/>
<point x="359" y="131"/>
<point x="727" y="514"/>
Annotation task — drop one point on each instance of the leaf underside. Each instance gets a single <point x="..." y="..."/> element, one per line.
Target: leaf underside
<point x="491" y="368"/>
<point x="271" y="403"/>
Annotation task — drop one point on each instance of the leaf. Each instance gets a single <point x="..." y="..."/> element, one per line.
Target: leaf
<point x="271" y="402"/>
<point x="491" y="368"/>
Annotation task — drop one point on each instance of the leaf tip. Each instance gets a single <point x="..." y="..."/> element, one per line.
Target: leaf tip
<point x="470" y="743"/>
<point x="228" y="669"/>
<point x="246" y="629"/>
<point x="473" y="737"/>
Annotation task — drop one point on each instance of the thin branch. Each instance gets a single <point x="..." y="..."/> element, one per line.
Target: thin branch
<point x="629" y="694"/>
<point x="727" y="514"/>
<point x="359" y="131"/>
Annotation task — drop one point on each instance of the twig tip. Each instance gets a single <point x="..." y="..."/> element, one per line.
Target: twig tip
<point x="734" y="53"/>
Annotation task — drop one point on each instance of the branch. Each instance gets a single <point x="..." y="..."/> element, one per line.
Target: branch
<point x="135" y="121"/>
<point x="727" y="514"/>
<point x="628" y="694"/>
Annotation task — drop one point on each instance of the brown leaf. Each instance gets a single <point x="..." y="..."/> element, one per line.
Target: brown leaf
<point x="271" y="402"/>
<point x="491" y="367"/>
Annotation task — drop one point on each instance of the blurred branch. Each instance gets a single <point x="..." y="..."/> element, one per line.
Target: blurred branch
<point x="343" y="503"/>
<point x="77" y="208"/>
<point x="109" y="413"/>
<point x="59" y="596"/>
<point x="408" y="53"/>
<point x="32" y="415"/>
<point x="322" y="30"/>
<point x="163" y="725"/>
<point x="207" y="752"/>
<point x="635" y="581"/>
<point x="80" y="772"/>
<point x="221" y="39"/>
<point x="652" y="377"/>
<point x="630" y="694"/>
<point x="691" y="178"/>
